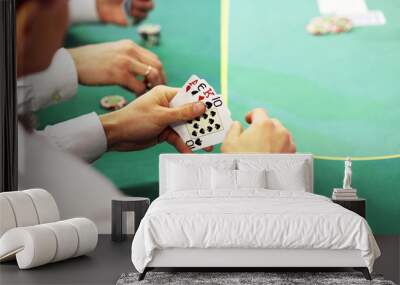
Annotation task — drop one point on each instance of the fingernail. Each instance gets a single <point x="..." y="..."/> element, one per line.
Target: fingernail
<point x="198" y="107"/>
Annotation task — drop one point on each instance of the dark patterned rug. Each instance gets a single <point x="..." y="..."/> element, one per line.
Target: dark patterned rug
<point x="243" y="278"/>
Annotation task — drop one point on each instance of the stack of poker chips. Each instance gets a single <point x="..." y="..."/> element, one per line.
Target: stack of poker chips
<point x="113" y="102"/>
<point x="329" y="25"/>
<point x="150" y="34"/>
<point x="344" y="194"/>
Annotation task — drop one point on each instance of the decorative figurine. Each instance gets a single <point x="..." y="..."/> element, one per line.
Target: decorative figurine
<point x="347" y="174"/>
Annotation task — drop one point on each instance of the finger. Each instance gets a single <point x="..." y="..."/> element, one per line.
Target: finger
<point x="257" y="115"/>
<point x="172" y="138"/>
<point x="234" y="132"/>
<point x="184" y="113"/>
<point x="292" y="148"/>
<point x="138" y="14"/>
<point x="134" y="84"/>
<point x="209" y="148"/>
<point x="164" y="76"/>
<point x="142" y="69"/>
<point x="143" y="5"/>
<point x="168" y="92"/>
<point x="277" y="123"/>
<point x="145" y="56"/>
<point x="151" y="59"/>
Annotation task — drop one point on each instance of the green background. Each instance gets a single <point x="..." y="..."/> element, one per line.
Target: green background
<point x="339" y="95"/>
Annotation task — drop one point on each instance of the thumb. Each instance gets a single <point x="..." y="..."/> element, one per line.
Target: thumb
<point x="185" y="112"/>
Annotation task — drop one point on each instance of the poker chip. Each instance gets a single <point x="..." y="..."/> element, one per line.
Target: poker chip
<point x="329" y="25"/>
<point x="150" y="34"/>
<point x="113" y="102"/>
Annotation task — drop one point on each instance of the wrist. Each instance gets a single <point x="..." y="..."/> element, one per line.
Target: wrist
<point x="110" y="125"/>
<point x="75" y="58"/>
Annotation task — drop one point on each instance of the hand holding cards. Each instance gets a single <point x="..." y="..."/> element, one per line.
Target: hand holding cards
<point x="211" y="127"/>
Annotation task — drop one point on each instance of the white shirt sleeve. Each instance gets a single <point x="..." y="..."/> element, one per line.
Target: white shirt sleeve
<point x="83" y="11"/>
<point x="83" y="136"/>
<point x="59" y="82"/>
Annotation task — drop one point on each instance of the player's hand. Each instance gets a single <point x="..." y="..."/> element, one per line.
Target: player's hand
<point x="145" y="122"/>
<point x="265" y="135"/>
<point x="112" y="11"/>
<point x="141" y="8"/>
<point x="122" y="62"/>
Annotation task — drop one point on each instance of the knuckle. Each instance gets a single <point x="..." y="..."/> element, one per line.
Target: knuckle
<point x="121" y="62"/>
<point x="159" y="88"/>
<point x="128" y="45"/>
<point x="154" y="74"/>
<point x="158" y="65"/>
<point x="126" y="42"/>
<point x="267" y="124"/>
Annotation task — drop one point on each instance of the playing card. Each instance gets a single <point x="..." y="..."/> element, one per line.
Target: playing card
<point x="183" y="97"/>
<point x="371" y="18"/>
<point x="211" y="127"/>
<point x="203" y="91"/>
<point x="354" y="10"/>
<point x="340" y="7"/>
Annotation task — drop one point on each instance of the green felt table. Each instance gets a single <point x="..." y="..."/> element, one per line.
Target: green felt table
<point x="339" y="95"/>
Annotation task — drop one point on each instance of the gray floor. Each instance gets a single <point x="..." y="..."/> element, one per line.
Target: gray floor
<point x="389" y="262"/>
<point x="110" y="260"/>
<point x="103" y="266"/>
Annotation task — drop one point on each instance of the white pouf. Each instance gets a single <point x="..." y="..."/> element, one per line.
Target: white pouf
<point x="45" y="205"/>
<point x="37" y="245"/>
<point x="7" y="216"/>
<point x="23" y="208"/>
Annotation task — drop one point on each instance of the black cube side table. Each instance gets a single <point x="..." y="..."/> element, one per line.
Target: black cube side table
<point x="138" y="205"/>
<point x="357" y="205"/>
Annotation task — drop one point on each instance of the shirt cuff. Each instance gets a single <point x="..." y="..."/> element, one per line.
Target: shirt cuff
<point x="83" y="11"/>
<point x="83" y="136"/>
<point x="59" y="82"/>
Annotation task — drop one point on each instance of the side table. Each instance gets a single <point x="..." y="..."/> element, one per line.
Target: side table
<point x="120" y="206"/>
<point x="357" y="205"/>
